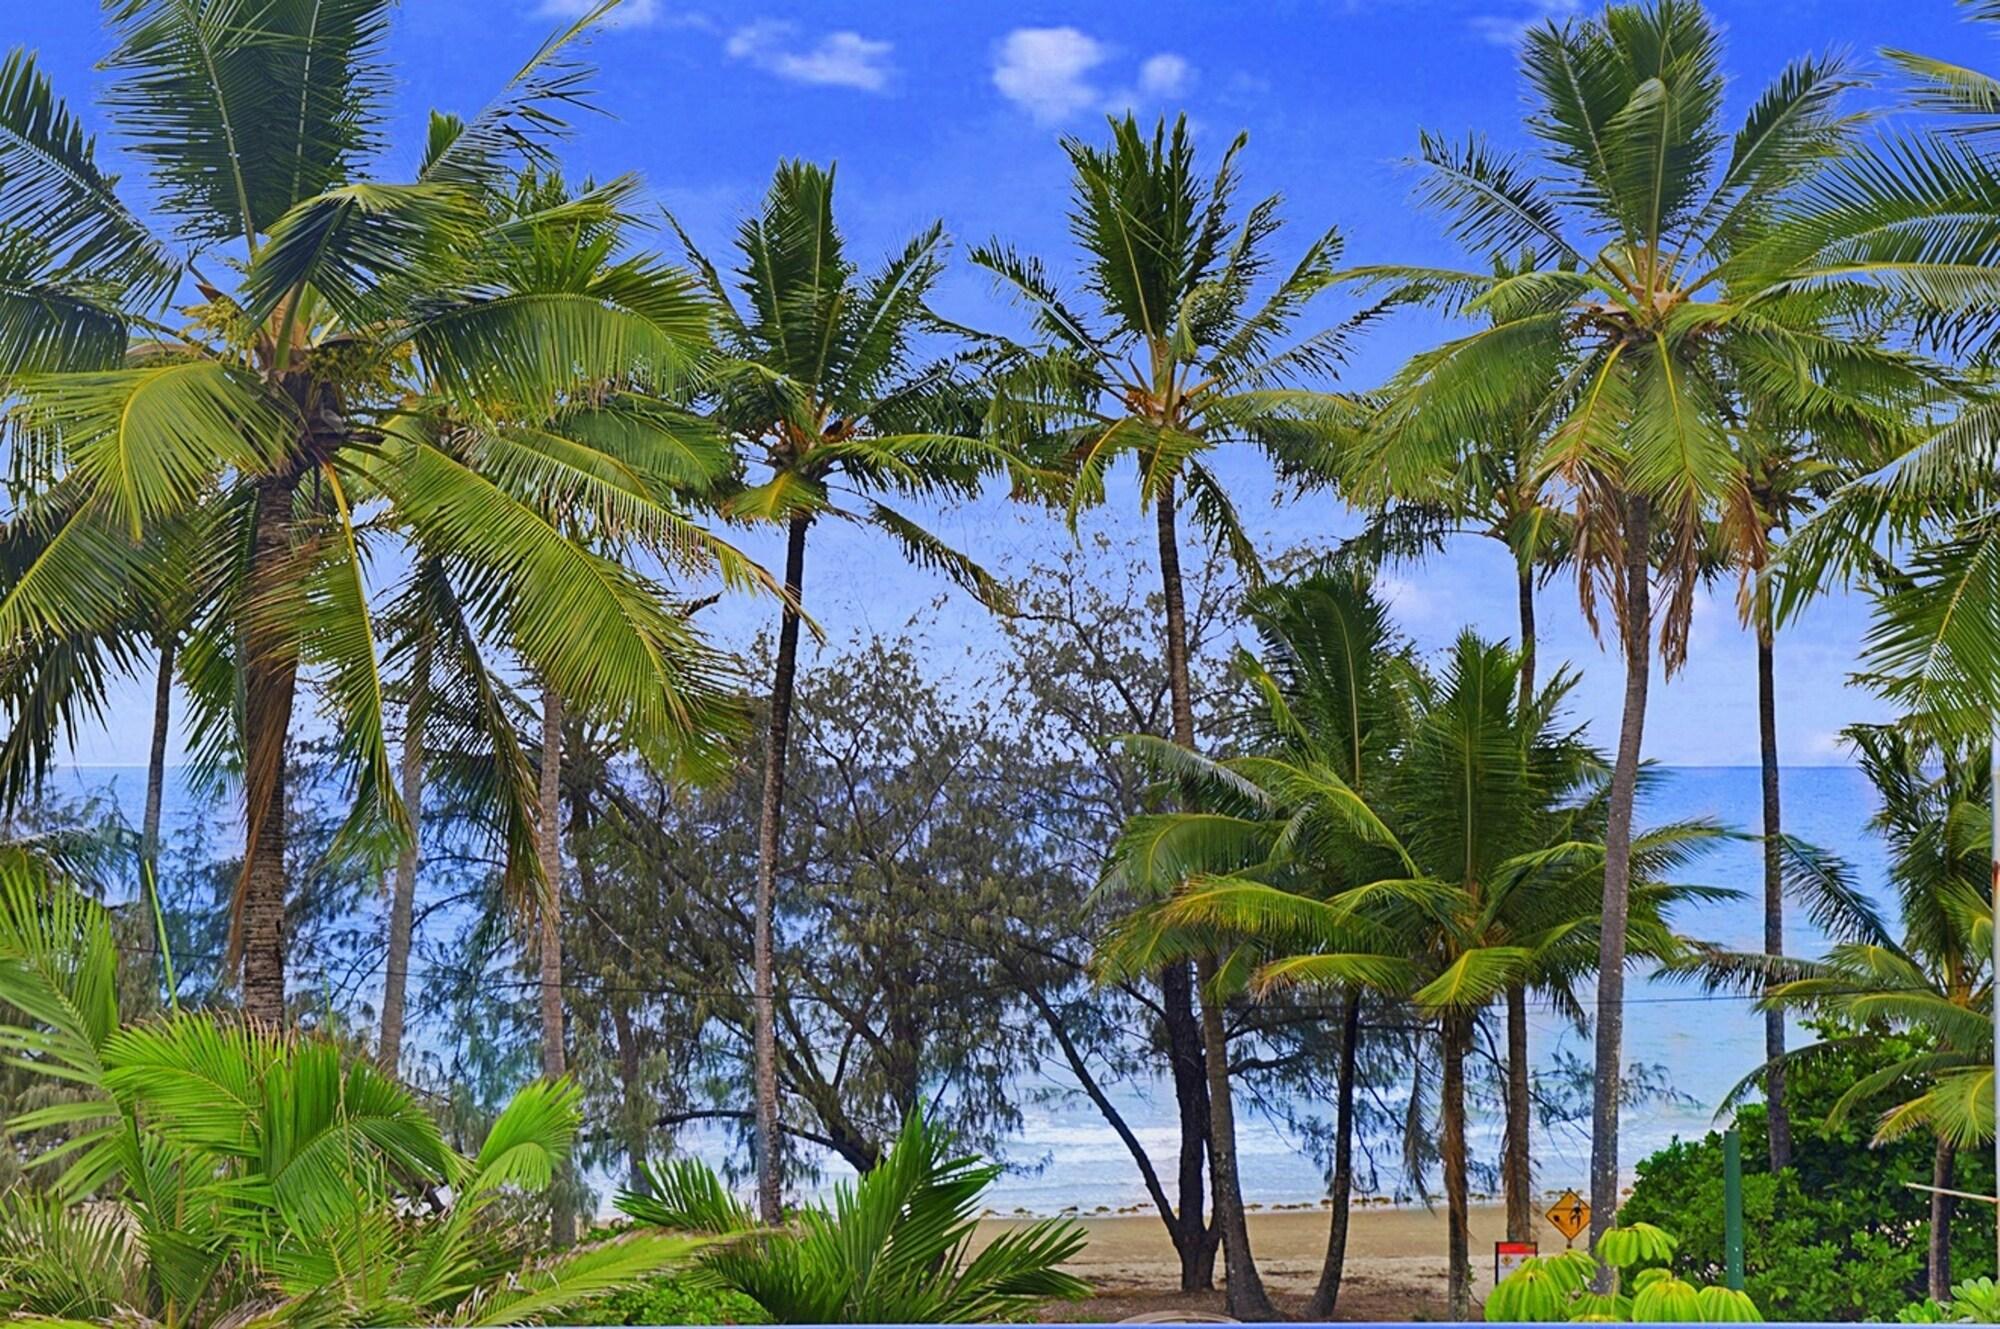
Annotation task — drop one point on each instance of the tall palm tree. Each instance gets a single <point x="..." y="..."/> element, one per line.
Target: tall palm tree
<point x="1787" y="471"/>
<point x="1179" y="354"/>
<point x="1421" y="488"/>
<point x="313" y="389"/>
<point x="1664" y="295"/>
<point x="822" y="382"/>
<point x="1446" y="899"/>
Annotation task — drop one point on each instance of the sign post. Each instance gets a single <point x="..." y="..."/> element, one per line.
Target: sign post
<point x="1732" y="1207"/>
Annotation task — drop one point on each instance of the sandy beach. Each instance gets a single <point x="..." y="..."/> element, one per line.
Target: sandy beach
<point x="1395" y="1262"/>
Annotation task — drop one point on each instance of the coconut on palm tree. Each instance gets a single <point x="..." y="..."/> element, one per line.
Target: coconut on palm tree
<point x="1184" y="347"/>
<point x="357" y="375"/>
<point x="823" y="382"/>
<point x="1661" y="296"/>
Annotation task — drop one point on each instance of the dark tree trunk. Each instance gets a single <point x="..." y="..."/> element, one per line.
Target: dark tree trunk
<point x="562" y="1221"/>
<point x="1457" y="1037"/>
<point x="1517" y="1167"/>
<point x="1517" y="1159"/>
<point x="1194" y="1237"/>
<point x="770" y="1193"/>
<point x="1943" y="1164"/>
<point x="403" y="893"/>
<point x="156" y="786"/>
<point x="1636" y="621"/>
<point x="632" y="1087"/>
<point x="1246" y="1297"/>
<point x="1245" y="1291"/>
<point x="1780" y="1118"/>
<point x="1525" y="593"/>
<point x="1340" y="1193"/>
<point x="156" y="765"/>
<point x="270" y="683"/>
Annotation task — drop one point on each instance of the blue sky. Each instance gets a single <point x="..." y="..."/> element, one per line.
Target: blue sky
<point x="953" y="111"/>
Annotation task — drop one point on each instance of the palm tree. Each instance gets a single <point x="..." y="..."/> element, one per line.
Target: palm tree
<point x="1330" y="702"/>
<point x="895" y="1247"/>
<point x="1178" y="357"/>
<point x="1934" y="979"/>
<point x="364" y="314"/>
<point x="821" y="381"/>
<point x="205" y="1172"/>
<point x="1446" y="899"/>
<point x="1421" y="488"/>
<point x="1665" y="295"/>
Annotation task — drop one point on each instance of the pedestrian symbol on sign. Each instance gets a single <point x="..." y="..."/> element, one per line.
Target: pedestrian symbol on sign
<point x="1570" y="1215"/>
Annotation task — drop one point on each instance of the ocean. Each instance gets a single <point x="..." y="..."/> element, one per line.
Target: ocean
<point x="1065" y="1158"/>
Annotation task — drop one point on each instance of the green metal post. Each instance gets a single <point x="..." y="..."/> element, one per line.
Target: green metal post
<point x="1732" y="1207"/>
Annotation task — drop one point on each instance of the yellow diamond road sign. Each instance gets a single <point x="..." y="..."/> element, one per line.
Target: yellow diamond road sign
<point x="1570" y="1215"/>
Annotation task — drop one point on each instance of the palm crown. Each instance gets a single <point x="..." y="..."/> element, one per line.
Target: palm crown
<point x="411" y="357"/>
<point x="1666" y="290"/>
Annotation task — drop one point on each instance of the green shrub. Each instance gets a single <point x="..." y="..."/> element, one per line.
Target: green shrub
<point x="893" y="1247"/>
<point x="674" y="1300"/>
<point x="1554" y="1289"/>
<point x="1838" y="1235"/>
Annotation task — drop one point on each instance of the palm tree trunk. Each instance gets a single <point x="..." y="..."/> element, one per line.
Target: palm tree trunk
<point x="1340" y="1193"/>
<point x="1944" y="1159"/>
<point x="770" y="1195"/>
<point x="156" y="765"/>
<point x="1246" y="1290"/>
<point x="562" y="1221"/>
<point x="270" y="669"/>
<point x="1517" y="1158"/>
<point x="403" y="893"/>
<point x="1636" y="622"/>
<point x="1517" y="1168"/>
<point x="1525" y="594"/>
<point x="1457" y="1035"/>
<point x="156" y="786"/>
<point x="1780" y="1117"/>
<point x="1194" y="1237"/>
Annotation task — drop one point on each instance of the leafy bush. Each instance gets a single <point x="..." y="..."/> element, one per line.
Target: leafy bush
<point x="1976" y="1301"/>
<point x="204" y="1171"/>
<point x="1552" y="1289"/>
<point x="1837" y="1236"/>
<point x="894" y="1247"/>
<point x="674" y="1299"/>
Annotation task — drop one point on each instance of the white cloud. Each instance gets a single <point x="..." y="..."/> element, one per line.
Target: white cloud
<point x="1508" y="30"/>
<point x="1051" y="73"/>
<point x="1165" y="75"/>
<point x="631" y="14"/>
<point x="839" y="59"/>
<point x="1047" y="71"/>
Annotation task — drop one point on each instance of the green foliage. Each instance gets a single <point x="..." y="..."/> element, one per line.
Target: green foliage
<point x="673" y="1299"/>
<point x="894" y="1247"/>
<point x="1976" y="1301"/>
<point x="1837" y="1236"/>
<point x="1551" y="1289"/>
<point x="211" y="1171"/>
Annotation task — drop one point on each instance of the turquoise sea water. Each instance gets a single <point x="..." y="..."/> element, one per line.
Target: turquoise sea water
<point x="1067" y="1158"/>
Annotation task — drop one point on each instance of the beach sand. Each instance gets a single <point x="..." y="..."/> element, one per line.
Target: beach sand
<point x="1395" y="1263"/>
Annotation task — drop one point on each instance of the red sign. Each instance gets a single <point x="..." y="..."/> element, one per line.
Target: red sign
<point x="1507" y="1257"/>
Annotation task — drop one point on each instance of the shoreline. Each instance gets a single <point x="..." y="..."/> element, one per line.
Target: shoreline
<point x="1395" y="1266"/>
